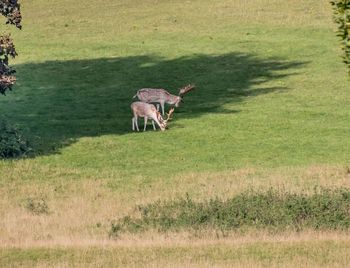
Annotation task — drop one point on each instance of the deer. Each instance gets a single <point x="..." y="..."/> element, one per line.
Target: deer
<point x="146" y="110"/>
<point x="161" y="96"/>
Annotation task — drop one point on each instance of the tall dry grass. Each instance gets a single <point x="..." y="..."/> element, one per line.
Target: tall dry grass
<point x="80" y="211"/>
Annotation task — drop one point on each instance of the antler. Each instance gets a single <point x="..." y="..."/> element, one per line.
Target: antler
<point x="186" y="89"/>
<point x="169" y="115"/>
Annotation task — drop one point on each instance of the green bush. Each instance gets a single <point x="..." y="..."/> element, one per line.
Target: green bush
<point x="12" y="142"/>
<point x="325" y="209"/>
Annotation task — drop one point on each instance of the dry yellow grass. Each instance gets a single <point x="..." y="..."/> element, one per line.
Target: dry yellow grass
<point x="80" y="211"/>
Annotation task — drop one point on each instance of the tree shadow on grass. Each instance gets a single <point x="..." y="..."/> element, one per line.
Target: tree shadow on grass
<point x="61" y="101"/>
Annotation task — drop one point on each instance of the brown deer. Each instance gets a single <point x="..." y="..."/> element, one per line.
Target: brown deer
<point x="161" y="96"/>
<point x="146" y="110"/>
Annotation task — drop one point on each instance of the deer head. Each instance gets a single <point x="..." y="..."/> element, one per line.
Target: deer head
<point x="178" y="101"/>
<point x="162" y="124"/>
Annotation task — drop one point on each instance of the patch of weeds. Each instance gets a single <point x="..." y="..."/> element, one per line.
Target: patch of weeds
<point x="276" y="210"/>
<point x="36" y="206"/>
<point x="115" y="230"/>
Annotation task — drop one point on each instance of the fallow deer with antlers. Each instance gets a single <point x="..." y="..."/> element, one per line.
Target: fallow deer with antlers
<point x="161" y="96"/>
<point x="146" y="110"/>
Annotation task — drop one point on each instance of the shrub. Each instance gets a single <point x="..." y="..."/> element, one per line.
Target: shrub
<point x="12" y="142"/>
<point x="325" y="209"/>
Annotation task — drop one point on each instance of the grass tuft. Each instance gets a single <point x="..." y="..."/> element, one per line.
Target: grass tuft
<point x="36" y="206"/>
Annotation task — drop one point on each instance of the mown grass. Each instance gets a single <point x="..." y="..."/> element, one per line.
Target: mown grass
<point x="260" y="254"/>
<point x="270" y="91"/>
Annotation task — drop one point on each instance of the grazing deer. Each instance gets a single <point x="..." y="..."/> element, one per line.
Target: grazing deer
<point x="161" y="96"/>
<point x="146" y="110"/>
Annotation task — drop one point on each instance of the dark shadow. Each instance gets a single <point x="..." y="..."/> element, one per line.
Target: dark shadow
<point x="61" y="101"/>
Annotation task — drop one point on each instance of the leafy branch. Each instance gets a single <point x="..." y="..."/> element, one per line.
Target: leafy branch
<point x="341" y="10"/>
<point x="11" y="10"/>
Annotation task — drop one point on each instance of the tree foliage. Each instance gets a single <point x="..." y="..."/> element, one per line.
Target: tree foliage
<point x="341" y="9"/>
<point x="11" y="10"/>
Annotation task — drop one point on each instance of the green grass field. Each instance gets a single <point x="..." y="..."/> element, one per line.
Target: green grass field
<point x="270" y="109"/>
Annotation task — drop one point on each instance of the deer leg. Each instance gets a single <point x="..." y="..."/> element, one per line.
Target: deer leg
<point x="136" y="124"/>
<point x="157" y="105"/>
<point x="144" y="128"/>
<point x="162" y="104"/>
<point x="133" y="124"/>
<point x="154" y="127"/>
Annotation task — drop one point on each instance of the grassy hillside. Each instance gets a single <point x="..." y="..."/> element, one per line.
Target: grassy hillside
<point x="270" y="109"/>
<point x="271" y="89"/>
